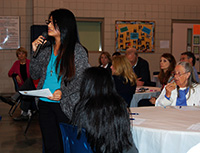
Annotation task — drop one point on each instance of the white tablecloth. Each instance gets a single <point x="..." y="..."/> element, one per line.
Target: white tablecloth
<point x="166" y="130"/>
<point x="151" y="92"/>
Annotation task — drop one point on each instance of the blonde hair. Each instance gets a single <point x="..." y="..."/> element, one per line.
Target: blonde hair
<point x="21" y="49"/>
<point x="124" y="68"/>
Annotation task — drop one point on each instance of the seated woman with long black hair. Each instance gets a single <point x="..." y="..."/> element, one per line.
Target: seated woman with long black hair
<point x="103" y="114"/>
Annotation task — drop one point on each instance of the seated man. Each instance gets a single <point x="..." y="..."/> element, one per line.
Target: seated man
<point x="190" y="58"/>
<point x="140" y="67"/>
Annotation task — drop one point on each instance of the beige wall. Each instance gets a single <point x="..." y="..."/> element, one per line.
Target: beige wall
<point x="36" y="11"/>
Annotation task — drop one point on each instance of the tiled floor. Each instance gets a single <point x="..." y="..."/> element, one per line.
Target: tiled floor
<point x="12" y="139"/>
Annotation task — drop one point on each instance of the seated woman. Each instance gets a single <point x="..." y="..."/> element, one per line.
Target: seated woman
<point x="167" y="65"/>
<point x="105" y="61"/>
<point x="184" y="91"/>
<point x="124" y="77"/>
<point x="103" y="114"/>
<point x="20" y="68"/>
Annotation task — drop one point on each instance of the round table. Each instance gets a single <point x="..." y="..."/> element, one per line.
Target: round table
<point x="147" y="94"/>
<point x="165" y="130"/>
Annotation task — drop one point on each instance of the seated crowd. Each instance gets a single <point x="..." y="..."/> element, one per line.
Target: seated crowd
<point x="96" y="98"/>
<point x="170" y="82"/>
<point x="106" y="92"/>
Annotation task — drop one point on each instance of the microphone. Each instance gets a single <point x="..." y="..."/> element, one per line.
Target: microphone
<point x="45" y="35"/>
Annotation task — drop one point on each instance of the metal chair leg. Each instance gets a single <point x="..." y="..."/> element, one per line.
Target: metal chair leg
<point x="29" y="121"/>
<point x="16" y="105"/>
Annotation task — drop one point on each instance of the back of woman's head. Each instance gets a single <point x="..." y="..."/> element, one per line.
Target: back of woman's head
<point x="104" y="115"/>
<point x="123" y="68"/>
<point x="96" y="82"/>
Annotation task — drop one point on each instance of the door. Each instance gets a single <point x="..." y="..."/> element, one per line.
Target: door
<point x="182" y="39"/>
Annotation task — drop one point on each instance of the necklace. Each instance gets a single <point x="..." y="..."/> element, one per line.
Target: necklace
<point x="52" y="63"/>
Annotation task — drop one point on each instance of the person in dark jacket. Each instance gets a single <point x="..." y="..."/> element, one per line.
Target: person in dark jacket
<point x="140" y="67"/>
<point x="124" y="77"/>
<point x="105" y="61"/>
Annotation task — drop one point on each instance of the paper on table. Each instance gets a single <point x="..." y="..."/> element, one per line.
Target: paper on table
<point x="187" y="108"/>
<point x="37" y="93"/>
<point x="138" y="121"/>
<point x="195" y="127"/>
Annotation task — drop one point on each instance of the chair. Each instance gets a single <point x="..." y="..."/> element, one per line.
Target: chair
<point x="12" y="110"/>
<point x="155" y="78"/>
<point x="156" y="73"/>
<point x="70" y="142"/>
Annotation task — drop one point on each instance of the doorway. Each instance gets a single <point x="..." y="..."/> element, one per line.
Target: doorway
<point x="183" y="39"/>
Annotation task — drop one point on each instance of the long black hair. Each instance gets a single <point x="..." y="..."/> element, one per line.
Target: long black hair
<point x="64" y="20"/>
<point x="102" y="113"/>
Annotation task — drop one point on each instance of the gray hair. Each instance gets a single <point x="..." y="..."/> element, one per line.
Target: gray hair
<point x="188" y="68"/>
<point x="191" y="80"/>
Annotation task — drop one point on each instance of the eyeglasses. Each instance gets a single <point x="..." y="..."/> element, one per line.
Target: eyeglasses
<point x="178" y="74"/>
<point x="183" y="58"/>
<point x="47" y="21"/>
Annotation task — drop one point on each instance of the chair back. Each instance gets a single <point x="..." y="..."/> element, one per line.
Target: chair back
<point x="70" y="142"/>
<point x="156" y="73"/>
<point x="15" y="83"/>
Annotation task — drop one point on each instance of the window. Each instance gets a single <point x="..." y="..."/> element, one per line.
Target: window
<point x="91" y="33"/>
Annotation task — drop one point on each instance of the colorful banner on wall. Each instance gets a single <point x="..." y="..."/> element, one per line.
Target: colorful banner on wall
<point x="135" y="34"/>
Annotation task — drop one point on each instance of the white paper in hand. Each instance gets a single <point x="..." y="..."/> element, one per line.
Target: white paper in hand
<point x="37" y="93"/>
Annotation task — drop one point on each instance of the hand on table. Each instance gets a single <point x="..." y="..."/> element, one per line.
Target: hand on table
<point x="153" y="100"/>
<point x="140" y="83"/>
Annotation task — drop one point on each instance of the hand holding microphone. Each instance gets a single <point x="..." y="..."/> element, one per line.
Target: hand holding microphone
<point x="37" y="44"/>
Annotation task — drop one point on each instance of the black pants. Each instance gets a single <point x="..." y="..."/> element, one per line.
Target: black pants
<point x="145" y="102"/>
<point x="27" y="102"/>
<point x="50" y="115"/>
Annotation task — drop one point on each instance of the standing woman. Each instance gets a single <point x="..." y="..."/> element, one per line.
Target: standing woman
<point x="59" y="66"/>
<point x="124" y="77"/>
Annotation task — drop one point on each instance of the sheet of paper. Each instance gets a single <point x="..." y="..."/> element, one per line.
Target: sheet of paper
<point x="188" y="108"/>
<point x="195" y="127"/>
<point x="164" y="44"/>
<point x="137" y="121"/>
<point x="37" y="93"/>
